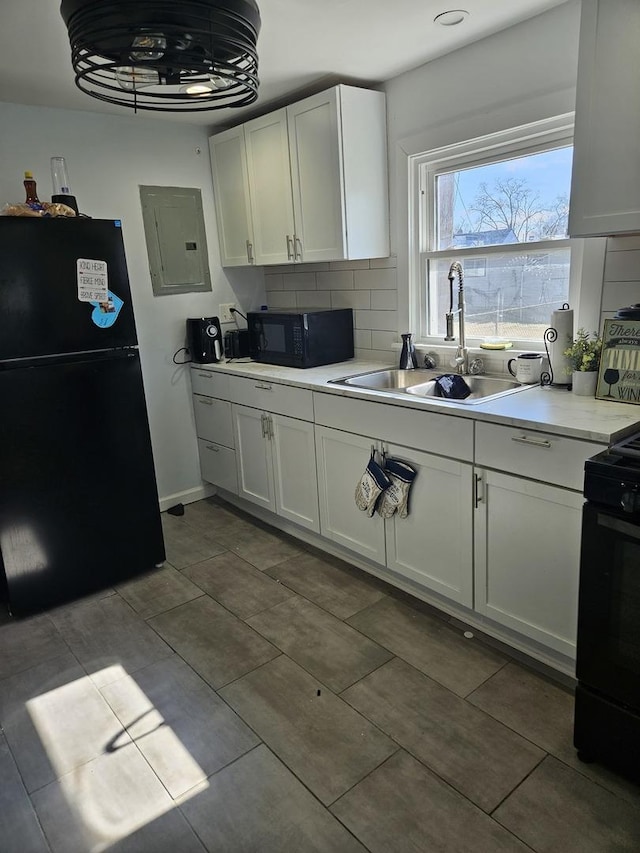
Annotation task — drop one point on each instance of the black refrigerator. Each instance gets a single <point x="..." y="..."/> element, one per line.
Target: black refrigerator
<point x="78" y="499"/>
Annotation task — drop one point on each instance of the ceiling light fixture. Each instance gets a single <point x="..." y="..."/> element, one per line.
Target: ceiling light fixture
<point x="166" y="55"/>
<point x="451" y="18"/>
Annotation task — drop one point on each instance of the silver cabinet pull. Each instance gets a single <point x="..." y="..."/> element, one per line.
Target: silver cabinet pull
<point x="205" y="401"/>
<point x="297" y="254"/>
<point x="477" y="494"/>
<point x="290" y="254"/>
<point x="534" y="442"/>
<point x="263" y="420"/>
<point x="213" y="447"/>
<point x="270" y="433"/>
<point x="263" y="386"/>
<point x="250" y="257"/>
<point x="206" y="375"/>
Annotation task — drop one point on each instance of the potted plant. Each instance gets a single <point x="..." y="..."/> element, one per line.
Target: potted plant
<point x="584" y="359"/>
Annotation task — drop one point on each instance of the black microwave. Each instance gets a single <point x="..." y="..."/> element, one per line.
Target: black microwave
<point x="298" y="338"/>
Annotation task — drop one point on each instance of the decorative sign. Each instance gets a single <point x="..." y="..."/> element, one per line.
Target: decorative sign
<point x="92" y="280"/>
<point x="619" y="375"/>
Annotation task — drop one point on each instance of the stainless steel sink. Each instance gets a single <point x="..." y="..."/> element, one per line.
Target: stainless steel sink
<point x="389" y="380"/>
<point x="421" y="383"/>
<point x="483" y="388"/>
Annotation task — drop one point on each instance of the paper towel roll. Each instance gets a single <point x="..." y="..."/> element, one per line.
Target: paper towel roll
<point x="562" y="322"/>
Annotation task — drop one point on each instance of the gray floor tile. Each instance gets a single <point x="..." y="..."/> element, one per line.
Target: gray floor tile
<point x="542" y="712"/>
<point x="237" y="585"/>
<point x="261" y="548"/>
<point x="327" y="584"/>
<point x="429" y="644"/>
<point x="184" y="545"/>
<point x="26" y="642"/>
<point x="402" y="806"/>
<point x="258" y="805"/>
<point x="557" y="810"/>
<point x="213" y="641"/>
<point x="114" y="802"/>
<point x="327" y="648"/>
<point x="20" y="830"/>
<point x="478" y="756"/>
<point x="55" y="720"/>
<point x="320" y="738"/>
<point x="212" y="518"/>
<point x="158" y="591"/>
<point x="183" y="729"/>
<point x="107" y="637"/>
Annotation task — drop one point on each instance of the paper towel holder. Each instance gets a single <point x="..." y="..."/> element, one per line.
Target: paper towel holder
<point x="549" y="337"/>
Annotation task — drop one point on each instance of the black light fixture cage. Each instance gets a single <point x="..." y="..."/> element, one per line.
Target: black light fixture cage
<point x="165" y="55"/>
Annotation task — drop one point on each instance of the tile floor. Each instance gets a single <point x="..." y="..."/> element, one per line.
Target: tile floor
<point x="255" y="695"/>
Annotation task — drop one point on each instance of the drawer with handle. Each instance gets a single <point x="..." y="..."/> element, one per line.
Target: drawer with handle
<point x="536" y="455"/>
<point x="273" y="397"/>
<point x="210" y="382"/>
<point x="213" y="419"/>
<point x="218" y="465"/>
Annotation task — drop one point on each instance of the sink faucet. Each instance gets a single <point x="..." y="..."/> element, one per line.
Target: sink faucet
<point x="461" y="360"/>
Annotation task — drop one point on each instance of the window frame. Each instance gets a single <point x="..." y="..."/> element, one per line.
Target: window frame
<point x="423" y="169"/>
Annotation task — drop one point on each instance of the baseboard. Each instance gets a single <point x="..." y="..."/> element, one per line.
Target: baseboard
<point x="187" y="497"/>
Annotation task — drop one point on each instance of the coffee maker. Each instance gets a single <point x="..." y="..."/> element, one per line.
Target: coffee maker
<point x="204" y="339"/>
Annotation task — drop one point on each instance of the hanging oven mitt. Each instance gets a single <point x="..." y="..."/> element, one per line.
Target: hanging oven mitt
<point x="396" y="497"/>
<point x="372" y="484"/>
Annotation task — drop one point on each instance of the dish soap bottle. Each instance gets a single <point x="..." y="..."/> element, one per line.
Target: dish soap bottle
<point x="408" y="357"/>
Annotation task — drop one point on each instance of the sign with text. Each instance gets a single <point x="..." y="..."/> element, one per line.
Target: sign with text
<point x="619" y="374"/>
<point x="93" y="280"/>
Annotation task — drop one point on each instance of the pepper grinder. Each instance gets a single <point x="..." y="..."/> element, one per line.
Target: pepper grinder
<point x="408" y="357"/>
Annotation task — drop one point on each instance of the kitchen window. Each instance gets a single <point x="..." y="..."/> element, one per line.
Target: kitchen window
<point x="499" y="205"/>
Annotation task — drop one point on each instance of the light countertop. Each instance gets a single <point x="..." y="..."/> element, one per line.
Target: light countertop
<point x="548" y="409"/>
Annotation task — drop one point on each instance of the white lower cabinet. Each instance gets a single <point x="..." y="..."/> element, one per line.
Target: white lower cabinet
<point x="527" y="554"/>
<point x="276" y="464"/>
<point x="218" y="465"/>
<point x="342" y="459"/>
<point x="434" y="544"/>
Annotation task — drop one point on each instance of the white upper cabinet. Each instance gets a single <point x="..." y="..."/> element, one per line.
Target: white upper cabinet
<point x="317" y="174"/>
<point x="231" y="196"/>
<point x="270" y="181"/>
<point x="605" y="188"/>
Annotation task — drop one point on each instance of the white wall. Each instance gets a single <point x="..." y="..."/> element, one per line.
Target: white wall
<point x="520" y="75"/>
<point x="108" y="158"/>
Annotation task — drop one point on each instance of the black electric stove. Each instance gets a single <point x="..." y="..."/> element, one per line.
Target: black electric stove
<point x="607" y="715"/>
<point x="612" y="478"/>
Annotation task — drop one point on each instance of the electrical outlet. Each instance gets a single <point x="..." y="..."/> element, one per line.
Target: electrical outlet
<point x="225" y="312"/>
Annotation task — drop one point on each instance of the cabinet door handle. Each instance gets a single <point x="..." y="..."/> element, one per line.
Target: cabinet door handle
<point x="270" y="427"/>
<point x="290" y="255"/>
<point x="263" y="386"/>
<point x="206" y="375"/>
<point x="205" y="401"/>
<point x="297" y="255"/>
<point x="250" y="257"/>
<point x="477" y="495"/>
<point x="213" y="447"/>
<point x="263" y="421"/>
<point x="534" y="442"/>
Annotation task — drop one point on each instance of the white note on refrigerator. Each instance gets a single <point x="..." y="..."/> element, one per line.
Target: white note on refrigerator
<point x="93" y="280"/>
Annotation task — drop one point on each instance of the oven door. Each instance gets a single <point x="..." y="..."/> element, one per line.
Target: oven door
<point x="275" y="339"/>
<point x="609" y="607"/>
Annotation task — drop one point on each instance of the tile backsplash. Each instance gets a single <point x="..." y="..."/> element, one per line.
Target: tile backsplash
<point x="370" y="287"/>
<point x="621" y="282"/>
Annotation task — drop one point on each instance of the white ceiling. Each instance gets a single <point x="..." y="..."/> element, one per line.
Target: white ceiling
<point x="303" y="45"/>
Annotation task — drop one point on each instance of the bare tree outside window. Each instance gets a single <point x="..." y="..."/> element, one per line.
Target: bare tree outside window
<point x="510" y="206"/>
